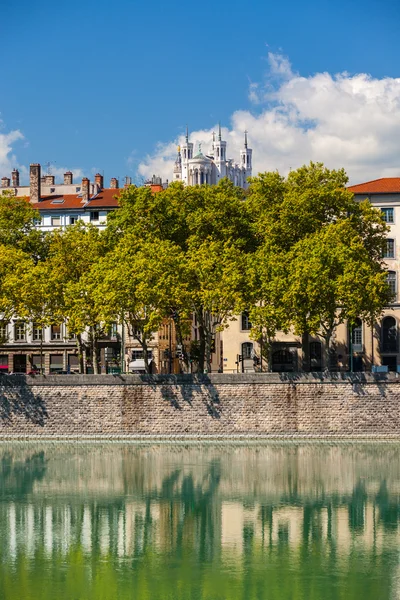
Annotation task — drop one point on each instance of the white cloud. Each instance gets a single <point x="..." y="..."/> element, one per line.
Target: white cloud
<point x="350" y="121"/>
<point x="8" y="159"/>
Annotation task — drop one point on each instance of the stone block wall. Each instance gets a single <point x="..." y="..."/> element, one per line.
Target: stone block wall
<point x="217" y="406"/>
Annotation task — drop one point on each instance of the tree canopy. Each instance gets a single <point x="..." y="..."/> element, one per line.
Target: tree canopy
<point x="298" y="252"/>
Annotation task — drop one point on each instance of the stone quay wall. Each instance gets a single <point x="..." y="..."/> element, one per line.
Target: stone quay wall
<point x="213" y="406"/>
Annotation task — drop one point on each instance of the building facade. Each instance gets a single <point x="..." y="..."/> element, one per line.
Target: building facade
<point x="198" y="169"/>
<point x="24" y="347"/>
<point x="361" y="349"/>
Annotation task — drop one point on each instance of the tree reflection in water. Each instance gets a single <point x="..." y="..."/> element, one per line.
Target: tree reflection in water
<point x="269" y="522"/>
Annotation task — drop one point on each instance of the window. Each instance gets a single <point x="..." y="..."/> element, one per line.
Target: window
<point x="77" y="189"/>
<point x="71" y="336"/>
<point x="52" y="190"/>
<point x="388" y="215"/>
<point x="356" y="336"/>
<point x="56" y="363"/>
<point x="247" y="350"/>
<point x="113" y="330"/>
<point x="389" y="253"/>
<point x="56" y="332"/>
<point x="19" y="331"/>
<point x="389" y="335"/>
<point x="3" y="331"/>
<point x="391" y="279"/>
<point x="94" y="215"/>
<point x="73" y="363"/>
<point x="37" y="332"/>
<point x="73" y="220"/>
<point x="282" y="360"/>
<point x="315" y="350"/>
<point x="56" y="221"/>
<point x="38" y="363"/>
<point x="246" y="324"/>
<point x="138" y="354"/>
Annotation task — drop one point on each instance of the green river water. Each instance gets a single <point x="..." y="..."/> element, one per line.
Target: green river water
<point x="207" y="522"/>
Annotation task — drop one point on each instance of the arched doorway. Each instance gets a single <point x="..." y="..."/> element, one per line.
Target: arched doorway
<point x="389" y="334"/>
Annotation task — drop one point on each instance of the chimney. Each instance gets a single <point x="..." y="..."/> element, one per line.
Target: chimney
<point x="85" y="189"/>
<point x="49" y="180"/>
<point x="34" y="181"/>
<point x="114" y="184"/>
<point x="5" y="182"/>
<point x="99" y="180"/>
<point x="128" y="181"/>
<point x="15" y="178"/>
<point x="68" y="178"/>
<point x="43" y="180"/>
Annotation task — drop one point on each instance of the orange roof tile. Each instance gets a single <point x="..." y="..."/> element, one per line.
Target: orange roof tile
<point x="385" y="185"/>
<point x="104" y="199"/>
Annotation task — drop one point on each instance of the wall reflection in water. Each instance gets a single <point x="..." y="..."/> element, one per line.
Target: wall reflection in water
<point x="273" y="521"/>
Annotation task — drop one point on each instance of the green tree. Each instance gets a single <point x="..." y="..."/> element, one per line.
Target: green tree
<point x="29" y="289"/>
<point x="320" y="260"/>
<point x="216" y="290"/>
<point x="18" y="226"/>
<point x="140" y="282"/>
<point x="212" y="226"/>
<point x="14" y="265"/>
<point x="72" y="254"/>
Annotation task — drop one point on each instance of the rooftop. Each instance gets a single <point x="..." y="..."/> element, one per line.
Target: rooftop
<point x="384" y="185"/>
<point x="104" y="199"/>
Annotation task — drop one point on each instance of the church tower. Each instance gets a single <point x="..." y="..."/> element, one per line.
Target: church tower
<point x="178" y="166"/>
<point x="186" y="155"/>
<point x="220" y="156"/>
<point x="246" y="161"/>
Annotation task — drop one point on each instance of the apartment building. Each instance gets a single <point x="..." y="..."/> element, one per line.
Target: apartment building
<point x="24" y="346"/>
<point x="368" y="348"/>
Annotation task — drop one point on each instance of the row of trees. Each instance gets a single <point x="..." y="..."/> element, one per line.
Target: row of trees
<point x="297" y="252"/>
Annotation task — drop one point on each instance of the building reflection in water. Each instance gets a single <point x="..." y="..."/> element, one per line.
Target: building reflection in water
<point x="214" y="503"/>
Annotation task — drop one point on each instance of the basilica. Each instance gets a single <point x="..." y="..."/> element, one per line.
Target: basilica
<point x="210" y="168"/>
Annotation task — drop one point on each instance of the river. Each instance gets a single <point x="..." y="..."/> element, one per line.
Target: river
<point x="276" y="521"/>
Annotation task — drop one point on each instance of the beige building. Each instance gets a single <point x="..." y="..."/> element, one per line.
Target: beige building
<point x="371" y="347"/>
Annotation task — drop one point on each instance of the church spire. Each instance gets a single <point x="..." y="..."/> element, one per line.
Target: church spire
<point x="187" y="134"/>
<point x="245" y="139"/>
<point x="219" y="131"/>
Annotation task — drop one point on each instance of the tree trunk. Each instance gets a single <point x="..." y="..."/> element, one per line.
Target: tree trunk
<point x="146" y="357"/>
<point x="179" y="338"/>
<point x="305" y="346"/>
<point x="95" y="356"/>
<point x="79" y="343"/>
<point x="41" y="354"/>
<point x="202" y="341"/>
<point x="207" y="353"/>
<point x="327" y="338"/>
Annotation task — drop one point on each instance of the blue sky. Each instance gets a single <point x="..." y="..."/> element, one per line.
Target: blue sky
<point x="97" y="85"/>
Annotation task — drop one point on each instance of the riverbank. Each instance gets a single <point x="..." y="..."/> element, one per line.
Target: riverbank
<point x="208" y="407"/>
